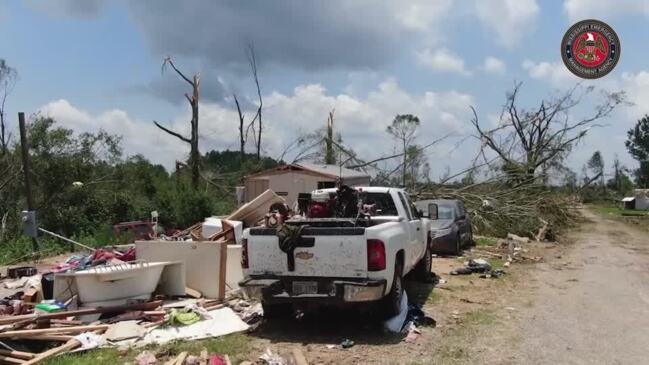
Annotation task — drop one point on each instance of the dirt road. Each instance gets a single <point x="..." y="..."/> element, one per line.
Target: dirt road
<point x="586" y="302"/>
<point x="591" y="306"/>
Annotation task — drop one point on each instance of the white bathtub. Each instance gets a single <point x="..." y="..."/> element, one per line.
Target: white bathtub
<point x="114" y="285"/>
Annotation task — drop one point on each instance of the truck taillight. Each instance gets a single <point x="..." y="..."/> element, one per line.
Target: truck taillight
<point x="244" y="253"/>
<point x="375" y="255"/>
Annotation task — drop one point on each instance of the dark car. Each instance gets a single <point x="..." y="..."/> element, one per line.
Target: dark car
<point x="451" y="226"/>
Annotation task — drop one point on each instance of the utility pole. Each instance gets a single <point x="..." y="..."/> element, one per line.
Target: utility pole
<point x="24" y="146"/>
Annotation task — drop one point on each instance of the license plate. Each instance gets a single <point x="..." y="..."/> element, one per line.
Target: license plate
<point x="305" y="287"/>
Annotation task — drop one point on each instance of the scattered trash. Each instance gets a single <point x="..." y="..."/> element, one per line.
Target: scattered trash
<point x="269" y="358"/>
<point x="473" y="266"/>
<point x="183" y="317"/>
<point x="20" y="271"/>
<point x="347" y="343"/>
<point x="89" y="340"/>
<point x="418" y="317"/>
<point x="124" y="330"/>
<point x="146" y="358"/>
<point x="493" y="274"/>
<point x="461" y="271"/>
<point x="413" y="333"/>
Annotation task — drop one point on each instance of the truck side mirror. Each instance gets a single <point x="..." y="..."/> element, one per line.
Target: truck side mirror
<point x="432" y="211"/>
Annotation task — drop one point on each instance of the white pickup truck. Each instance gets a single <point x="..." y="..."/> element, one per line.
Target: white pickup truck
<point x="358" y="250"/>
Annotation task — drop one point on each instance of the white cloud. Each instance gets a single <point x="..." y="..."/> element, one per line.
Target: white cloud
<point x="510" y="20"/>
<point x="494" y="65"/>
<point x="553" y="72"/>
<point x="422" y="15"/>
<point x="636" y="86"/>
<point x="442" y="60"/>
<point x="360" y="120"/>
<point x="603" y="9"/>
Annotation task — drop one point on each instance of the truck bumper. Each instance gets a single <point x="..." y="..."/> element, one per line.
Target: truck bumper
<point x="329" y="290"/>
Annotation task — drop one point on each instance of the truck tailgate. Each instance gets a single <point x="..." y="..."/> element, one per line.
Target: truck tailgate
<point x="321" y="252"/>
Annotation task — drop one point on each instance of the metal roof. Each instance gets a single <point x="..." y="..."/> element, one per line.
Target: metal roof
<point x="328" y="171"/>
<point x="628" y="199"/>
<point x="333" y="170"/>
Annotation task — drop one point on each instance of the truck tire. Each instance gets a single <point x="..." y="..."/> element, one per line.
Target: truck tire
<point x="274" y="311"/>
<point x="391" y="303"/>
<point x="424" y="266"/>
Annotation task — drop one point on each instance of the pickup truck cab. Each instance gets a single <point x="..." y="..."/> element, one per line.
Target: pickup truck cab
<point x="359" y="253"/>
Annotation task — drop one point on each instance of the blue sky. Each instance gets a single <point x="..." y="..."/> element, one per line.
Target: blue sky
<point x="96" y="64"/>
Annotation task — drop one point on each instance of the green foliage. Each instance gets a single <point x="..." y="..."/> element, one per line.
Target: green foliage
<point x="82" y="186"/>
<point x="637" y="144"/>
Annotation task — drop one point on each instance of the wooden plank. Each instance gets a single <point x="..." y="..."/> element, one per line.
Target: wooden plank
<point x="48" y="331"/>
<point x="118" y="308"/>
<point x="70" y="345"/>
<point x="193" y="292"/>
<point x="11" y="360"/>
<point x="60" y="338"/>
<point x="180" y="360"/>
<point x="222" y="267"/>
<point x="17" y="354"/>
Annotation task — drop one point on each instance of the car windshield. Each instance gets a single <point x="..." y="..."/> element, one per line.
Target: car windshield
<point x="444" y="212"/>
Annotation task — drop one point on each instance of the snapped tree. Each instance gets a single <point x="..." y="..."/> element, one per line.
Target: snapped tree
<point x="8" y="76"/>
<point x="529" y="142"/>
<point x="194" y="154"/>
<point x="403" y="130"/>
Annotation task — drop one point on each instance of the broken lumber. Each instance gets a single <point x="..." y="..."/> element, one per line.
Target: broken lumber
<point x="11" y="360"/>
<point x="79" y="312"/>
<point x="48" y="331"/>
<point x="60" y="338"/>
<point x="17" y="354"/>
<point x="70" y="345"/>
<point x="193" y="292"/>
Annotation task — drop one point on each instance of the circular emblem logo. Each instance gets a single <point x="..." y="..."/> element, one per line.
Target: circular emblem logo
<point x="590" y="49"/>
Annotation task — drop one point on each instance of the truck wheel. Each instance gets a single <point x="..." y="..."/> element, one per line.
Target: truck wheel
<point x="458" y="245"/>
<point x="273" y="311"/>
<point x="422" y="270"/>
<point x="391" y="303"/>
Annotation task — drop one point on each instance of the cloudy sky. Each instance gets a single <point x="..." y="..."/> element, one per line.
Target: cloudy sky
<point x="96" y="64"/>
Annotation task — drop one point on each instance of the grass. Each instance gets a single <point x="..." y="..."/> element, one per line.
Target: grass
<point x="455" y="348"/>
<point x="235" y="346"/>
<point x="611" y="210"/>
<point x="486" y="241"/>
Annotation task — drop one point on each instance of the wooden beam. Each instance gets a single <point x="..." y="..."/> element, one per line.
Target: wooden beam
<point x="48" y="331"/>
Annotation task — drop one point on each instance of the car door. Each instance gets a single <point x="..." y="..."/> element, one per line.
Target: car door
<point x="414" y="231"/>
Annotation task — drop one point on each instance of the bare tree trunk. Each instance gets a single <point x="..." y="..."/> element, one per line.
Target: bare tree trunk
<point x="253" y="66"/>
<point x="194" y="154"/>
<point x="242" y="139"/>
<point x="405" y="158"/>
